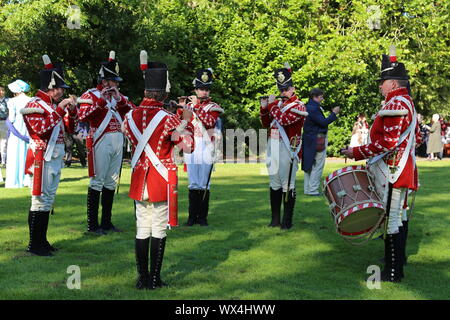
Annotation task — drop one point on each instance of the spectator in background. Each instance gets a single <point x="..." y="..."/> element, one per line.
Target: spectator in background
<point x="315" y="141"/>
<point x="434" y="146"/>
<point x="443" y="131"/>
<point x="3" y="127"/>
<point x="360" y="133"/>
<point x="421" y="150"/>
<point x="18" y="137"/>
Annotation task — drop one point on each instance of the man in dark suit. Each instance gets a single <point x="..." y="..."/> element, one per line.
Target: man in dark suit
<point x="315" y="141"/>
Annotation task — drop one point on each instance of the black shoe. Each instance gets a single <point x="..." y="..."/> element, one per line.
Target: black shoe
<point x="156" y="259"/>
<point x="36" y="224"/>
<point x="288" y="207"/>
<point x="204" y="207"/>
<point x="97" y="232"/>
<point x="112" y="228"/>
<point x="275" y="206"/>
<point x="393" y="269"/>
<point x="141" y="249"/>
<point x="93" y="199"/>
<point x="107" y="203"/>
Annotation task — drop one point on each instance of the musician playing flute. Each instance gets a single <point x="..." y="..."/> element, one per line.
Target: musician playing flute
<point x="392" y="163"/>
<point x="200" y="162"/>
<point x="104" y="108"/>
<point x="285" y="118"/>
<point x="46" y="117"/>
<point x="153" y="133"/>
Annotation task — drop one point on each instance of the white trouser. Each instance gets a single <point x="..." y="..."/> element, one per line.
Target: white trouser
<point x="151" y="219"/>
<point x="379" y="173"/>
<point x="199" y="164"/>
<point x="397" y="214"/>
<point x="108" y="158"/>
<point x="312" y="180"/>
<point x="3" y="140"/>
<point x="278" y="164"/>
<point x="50" y="181"/>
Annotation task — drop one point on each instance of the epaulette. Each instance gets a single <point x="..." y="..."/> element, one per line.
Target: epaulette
<point x="393" y="109"/>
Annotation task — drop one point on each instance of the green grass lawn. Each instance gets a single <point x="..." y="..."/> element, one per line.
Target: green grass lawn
<point x="236" y="257"/>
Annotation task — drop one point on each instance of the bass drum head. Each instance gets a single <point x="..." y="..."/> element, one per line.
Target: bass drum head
<point x="360" y="221"/>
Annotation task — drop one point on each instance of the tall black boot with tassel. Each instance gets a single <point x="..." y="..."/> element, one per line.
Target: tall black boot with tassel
<point x="276" y="196"/>
<point x="93" y="199"/>
<point x="203" y="200"/>
<point x="157" y="247"/>
<point x="36" y="226"/>
<point x="107" y="203"/>
<point x="393" y="268"/>
<point x="192" y="219"/>
<point x="45" y="242"/>
<point x="286" y="223"/>
<point x="141" y="248"/>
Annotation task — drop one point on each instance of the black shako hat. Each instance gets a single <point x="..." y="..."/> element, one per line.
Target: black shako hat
<point x="156" y="74"/>
<point x="203" y="79"/>
<point x="391" y="68"/>
<point x="109" y="70"/>
<point x="52" y="76"/>
<point x="283" y="76"/>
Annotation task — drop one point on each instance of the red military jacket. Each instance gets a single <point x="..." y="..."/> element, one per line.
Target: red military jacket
<point x="390" y="122"/>
<point x="40" y="122"/>
<point x="93" y="109"/>
<point x="207" y="112"/>
<point x="170" y="131"/>
<point x="290" y="114"/>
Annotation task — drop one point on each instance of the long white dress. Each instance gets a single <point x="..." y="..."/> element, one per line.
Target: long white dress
<point x="17" y="148"/>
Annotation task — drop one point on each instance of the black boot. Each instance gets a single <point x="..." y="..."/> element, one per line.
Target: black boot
<point x="198" y="198"/>
<point x="107" y="203"/>
<point x="156" y="259"/>
<point x="404" y="232"/>
<point x="289" y="204"/>
<point x="275" y="206"/>
<point x="36" y="226"/>
<point x="45" y="242"/>
<point x="141" y="248"/>
<point x="192" y="219"/>
<point x="393" y="268"/>
<point x="405" y="239"/>
<point x="203" y="201"/>
<point x="93" y="199"/>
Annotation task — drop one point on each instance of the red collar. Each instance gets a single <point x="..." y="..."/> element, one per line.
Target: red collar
<point x="150" y="103"/>
<point x="396" y="92"/>
<point x="99" y="87"/>
<point x="43" y="96"/>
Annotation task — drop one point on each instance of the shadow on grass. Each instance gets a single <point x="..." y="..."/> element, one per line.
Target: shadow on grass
<point x="308" y="262"/>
